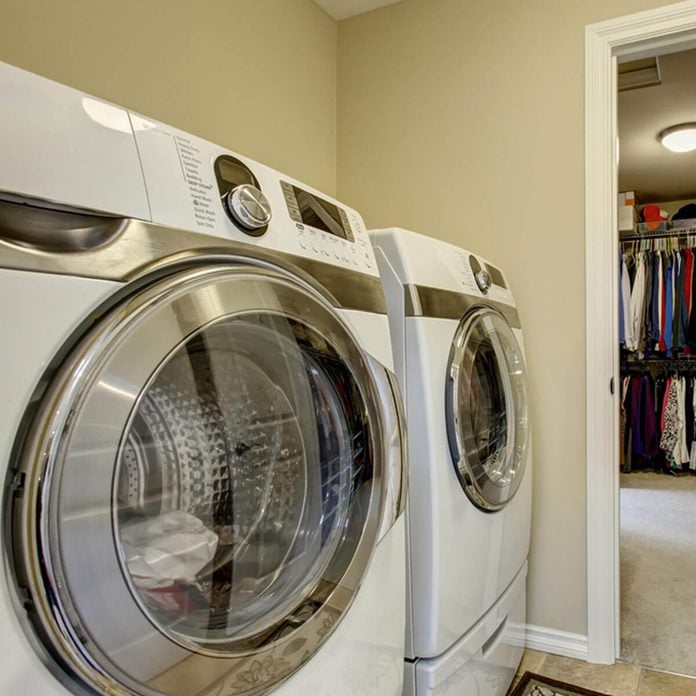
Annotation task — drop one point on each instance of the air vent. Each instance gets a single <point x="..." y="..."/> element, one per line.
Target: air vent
<point x="639" y="73"/>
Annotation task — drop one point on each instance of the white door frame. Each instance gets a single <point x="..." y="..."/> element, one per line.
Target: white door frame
<point x="665" y="30"/>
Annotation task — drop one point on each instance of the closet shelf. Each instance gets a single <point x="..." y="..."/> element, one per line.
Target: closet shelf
<point x="677" y="228"/>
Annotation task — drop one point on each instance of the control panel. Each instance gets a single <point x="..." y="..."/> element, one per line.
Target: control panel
<point x="479" y="276"/>
<point x="196" y="185"/>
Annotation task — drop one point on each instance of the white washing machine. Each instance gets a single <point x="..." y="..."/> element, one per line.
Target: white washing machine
<point x="200" y="435"/>
<point x="460" y="359"/>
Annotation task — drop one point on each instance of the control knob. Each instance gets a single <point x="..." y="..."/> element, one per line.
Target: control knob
<point x="483" y="280"/>
<point x="248" y="207"/>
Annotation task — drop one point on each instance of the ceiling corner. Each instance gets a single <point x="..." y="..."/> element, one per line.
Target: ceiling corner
<point x="343" y="9"/>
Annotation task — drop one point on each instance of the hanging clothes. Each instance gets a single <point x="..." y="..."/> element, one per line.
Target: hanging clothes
<point x="657" y="333"/>
<point x="657" y="312"/>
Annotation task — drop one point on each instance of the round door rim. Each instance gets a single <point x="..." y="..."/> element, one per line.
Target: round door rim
<point x="468" y="478"/>
<point x="34" y="557"/>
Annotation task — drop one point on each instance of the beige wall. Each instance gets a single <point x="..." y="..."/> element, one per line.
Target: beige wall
<point x="257" y="76"/>
<point x="464" y="120"/>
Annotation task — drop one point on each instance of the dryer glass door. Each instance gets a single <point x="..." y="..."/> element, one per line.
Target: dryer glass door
<point x="205" y="487"/>
<point x="486" y="403"/>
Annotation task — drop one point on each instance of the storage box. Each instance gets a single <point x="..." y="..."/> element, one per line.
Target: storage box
<point x="682" y="224"/>
<point x="627" y="198"/>
<point x="655" y="226"/>
<point x="628" y="217"/>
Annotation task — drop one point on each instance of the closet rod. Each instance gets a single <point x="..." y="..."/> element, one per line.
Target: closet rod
<point x="667" y="363"/>
<point x="685" y="232"/>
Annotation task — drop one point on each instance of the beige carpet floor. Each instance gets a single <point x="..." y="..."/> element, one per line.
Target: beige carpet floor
<point x="658" y="571"/>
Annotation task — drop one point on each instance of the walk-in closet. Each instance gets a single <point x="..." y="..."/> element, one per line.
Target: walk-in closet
<point x="657" y="332"/>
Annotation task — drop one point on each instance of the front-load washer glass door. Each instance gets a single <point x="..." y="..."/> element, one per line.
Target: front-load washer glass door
<point x="486" y="408"/>
<point x="203" y="487"/>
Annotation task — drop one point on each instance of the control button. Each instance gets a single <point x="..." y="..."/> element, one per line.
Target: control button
<point x="314" y="242"/>
<point x="301" y="237"/>
<point x="291" y="200"/>
<point x="336" y="248"/>
<point x="248" y="207"/>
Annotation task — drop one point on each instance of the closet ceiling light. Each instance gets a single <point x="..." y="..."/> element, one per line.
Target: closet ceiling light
<point x="681" y="138"/>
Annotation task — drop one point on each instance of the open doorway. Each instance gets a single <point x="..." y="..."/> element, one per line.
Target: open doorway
<point x="657" y="337"/>
<point x="656" y="32"/>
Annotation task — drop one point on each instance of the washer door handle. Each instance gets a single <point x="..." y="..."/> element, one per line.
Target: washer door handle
<point x="394" y="444"/>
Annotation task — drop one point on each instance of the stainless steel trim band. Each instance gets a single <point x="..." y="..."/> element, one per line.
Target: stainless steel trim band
<point x="424" y="301"/>
<point x="130" y="249"/>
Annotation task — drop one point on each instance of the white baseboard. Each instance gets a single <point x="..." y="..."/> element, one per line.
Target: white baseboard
<point x="549" y="640"/>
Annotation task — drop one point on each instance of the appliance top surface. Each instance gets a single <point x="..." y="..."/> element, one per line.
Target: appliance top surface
<point x="64" y="148"/>
<point x="427" y="262"/>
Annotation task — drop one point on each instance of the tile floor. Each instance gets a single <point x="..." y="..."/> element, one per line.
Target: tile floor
<point x="620" y="679"/>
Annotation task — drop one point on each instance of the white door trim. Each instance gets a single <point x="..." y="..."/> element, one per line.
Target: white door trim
<point x="664" y="30"/>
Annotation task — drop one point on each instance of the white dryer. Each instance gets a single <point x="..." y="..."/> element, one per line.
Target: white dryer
<point x="459" y="357"/>
<point x="199" y="431"/>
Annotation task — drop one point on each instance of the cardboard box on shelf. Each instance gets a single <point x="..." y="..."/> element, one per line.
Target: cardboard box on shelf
<point x="628" y="216"/>
<point x="627" y="198"/>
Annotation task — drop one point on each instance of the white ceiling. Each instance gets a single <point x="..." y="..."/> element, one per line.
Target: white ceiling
<point x="645" y="166"/>
<point x="342" y="9"/>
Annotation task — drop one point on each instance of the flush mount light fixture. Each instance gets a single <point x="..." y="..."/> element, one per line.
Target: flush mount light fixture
<point x="681" y="138"/>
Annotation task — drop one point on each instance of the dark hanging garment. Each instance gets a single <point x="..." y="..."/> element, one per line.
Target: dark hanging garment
<point x="691" y="325"/>
<point x="627" y="441"/>
<point x="655" y="302"/>
<point x="689" y="410"/>
<point x="622" y="322"/>
<point x="663" y="302"/>
<point x="683" y="306"/>
<point x="631" y="267"/>
<point x="636" y="416"/>
<point x="649" y="434"/>
<point x="669" y="303"/>
<point x="676" y="307"/>
<point x="686" y="308"/>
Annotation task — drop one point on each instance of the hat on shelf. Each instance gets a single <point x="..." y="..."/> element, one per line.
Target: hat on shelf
<point x="653" y="216"/>
<point x="686" y="212"/>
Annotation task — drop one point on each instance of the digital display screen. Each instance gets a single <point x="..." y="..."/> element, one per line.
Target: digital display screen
<point x="496" y="276"/>
<point x="321" y="214"/>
